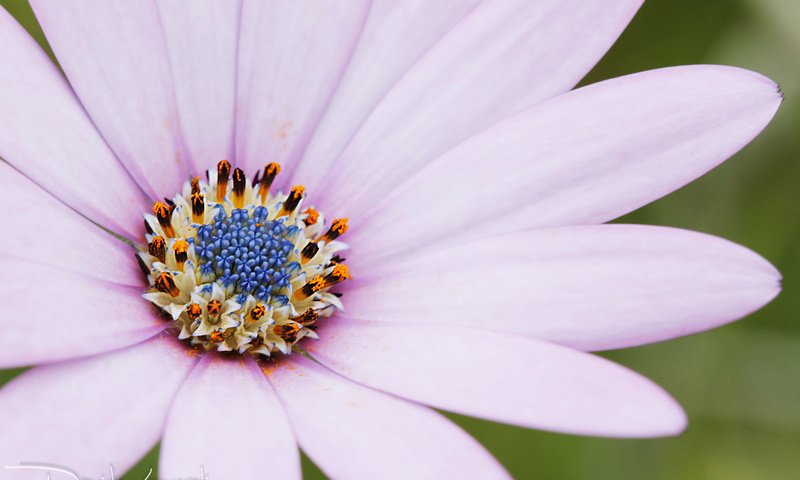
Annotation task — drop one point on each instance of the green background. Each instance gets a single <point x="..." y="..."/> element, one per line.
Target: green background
<point x="739" y="384"/>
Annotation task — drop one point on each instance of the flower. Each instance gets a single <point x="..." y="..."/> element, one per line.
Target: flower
<point x="476" y="185"/>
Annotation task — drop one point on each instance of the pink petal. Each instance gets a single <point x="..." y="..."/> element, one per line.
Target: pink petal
<point x="31" y="219"/>
<point x="587" y="156"/>
<point x="499" y="377"/>
<point x="115" y="57"/>
<point x="589" y="287"/>
<point x="202" y="38"/>
<point x="503" y="58"/>
<point x="355" y="432"/>
<point x="45" y="134"/>
<point x="291" y="57"/>
<point x="90" y="414"/>
<point x="396" y="36"/>
<point x="227" y="420"/>
<point x="52" y="314"/>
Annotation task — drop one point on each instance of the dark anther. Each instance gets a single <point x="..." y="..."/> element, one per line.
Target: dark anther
<point x="270" y="172"/>
<point x="198" y="207"/>
<point x="239" y="182"/>
<point x="223" y="173"/>
<point x="158" y="248"/>
<point x="164" y="216"/>
<point x="338" y="228"/>
<point x="165" y="283"/>
<point x="293" y="200"/>
<point x="309" y="251"/>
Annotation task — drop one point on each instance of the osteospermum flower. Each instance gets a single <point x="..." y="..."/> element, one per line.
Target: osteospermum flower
<point x="434" y="145"/>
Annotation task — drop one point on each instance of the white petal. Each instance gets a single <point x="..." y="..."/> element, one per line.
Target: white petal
<point x="227" y="421"/>
<point x="52" y="314"/>
<point x="93" y="414"/>
<point x="585" y="157"/>
<point x="589" y="287"/>
<point x="291" y="57"/>
<point x="499" y="377"/>
<point x="503" y="58"/>
<point x="352" y="432"/>
<point x="202" y="38"/>
<point x="115" y="57"/>
<point x="39" y="228"/>
<point x="396" y="36"/>
<point x="45" y="134"/>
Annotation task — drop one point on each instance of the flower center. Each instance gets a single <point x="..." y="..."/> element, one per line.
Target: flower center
<point x="238" y="268"/>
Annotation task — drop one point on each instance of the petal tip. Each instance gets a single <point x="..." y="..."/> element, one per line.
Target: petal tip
<point x="676" y="424"/>
<point x="668" y="420"/>
<point x="772" y="88"/>
<point x="772" y="279"/>
<point x="745" y="80"/>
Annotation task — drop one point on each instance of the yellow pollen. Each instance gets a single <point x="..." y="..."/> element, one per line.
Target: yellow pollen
<point x="313" y="286"/>
<point x="166" y="284"/>
<point x="312" y="216"/>
<point x="287" y="332"/>
<point x="163" y="213"/>
<point x="272" y="169"/>
<point x="339" y="225"/>
<point x="338" y="228"/>
<point x="217" y="336"/>
<point x="341" y="272"/>
<point x="317" y="283"/>
<point x="293" y="200"/>
<point x="181" y="248"/>
<point x="193" y="310"/>
<point x="257" y="312"/>
<point x="160" y="209"/>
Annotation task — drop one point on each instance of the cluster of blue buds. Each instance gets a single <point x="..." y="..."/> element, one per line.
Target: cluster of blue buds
<point x="248" y="254"/>
<point x="240" y="268"/>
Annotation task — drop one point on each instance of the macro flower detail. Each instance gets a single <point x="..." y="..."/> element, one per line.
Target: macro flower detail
<point x="239" y="269"/>
<point x="441" y="143"/>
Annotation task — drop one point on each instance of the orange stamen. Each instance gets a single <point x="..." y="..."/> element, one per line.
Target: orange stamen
<point x="223" y="173"/>
<point x="166" y="284"/>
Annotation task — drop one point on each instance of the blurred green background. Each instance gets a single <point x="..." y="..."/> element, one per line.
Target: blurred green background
<point x="739" y="384"/>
